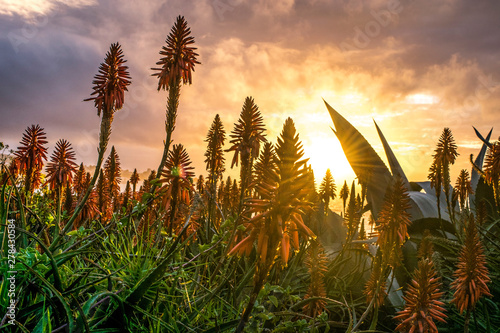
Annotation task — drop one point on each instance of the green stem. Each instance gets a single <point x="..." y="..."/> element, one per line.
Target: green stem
<point x="171" y="116"/>
<point x="251" y="303"/>
<point x="173" y="210"/>
<point x="103" y="143"/>
<point x="467" y="320"/>
<point x="373" y="325"/>
<point x="58" y="217"/>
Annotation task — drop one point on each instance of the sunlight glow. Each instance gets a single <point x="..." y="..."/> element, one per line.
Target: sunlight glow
<point x="353" y="98"/>
<point x="326" y="153"/>
<point x="422" y="99"/>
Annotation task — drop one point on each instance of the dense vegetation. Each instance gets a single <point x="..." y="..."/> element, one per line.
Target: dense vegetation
<point x="182" y="252"/>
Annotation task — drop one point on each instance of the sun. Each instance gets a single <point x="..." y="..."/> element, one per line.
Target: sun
<point x="325" y="152"/>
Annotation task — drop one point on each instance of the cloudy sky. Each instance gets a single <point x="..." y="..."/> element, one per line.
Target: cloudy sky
<point x="414" y="67"/>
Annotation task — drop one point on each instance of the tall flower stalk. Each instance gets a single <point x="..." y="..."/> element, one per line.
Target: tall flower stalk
<point x="444" y="156"/>
<point x="176" y="67"/>
<point x="30" y="155"/>
<point x="112" y="170"/>
<point x="178" y="177"/>
<point x="471" y="275"/>
<point x="79" y="183"/>
<point x="423" y="306"/>
<point x="353" y="214"/>
<point x="344" y="195"/>
<point x="60" y="172"/>
<point x="246" y="138"/>
<point x="109" y="88"/>
<point x="274" y="218"/>
<point x="316" y="263"/>
<point x="103" y="199"/>
<point x="214" y="159"/>
<point x="463" y="188"/>
<point x="394" y="220"/>
<point x="327" y="190"/>
<point x="376" y="288"/>
<point x="134" y="179"/>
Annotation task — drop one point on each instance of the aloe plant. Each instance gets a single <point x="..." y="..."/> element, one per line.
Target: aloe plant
<point x="177" y="64"/>
<point x="277" y="212"/>
<point x="327" y="189"/>
<point x="30" y="155"/>
<point x="214" y="159"/>
<point x="110" y="85"/>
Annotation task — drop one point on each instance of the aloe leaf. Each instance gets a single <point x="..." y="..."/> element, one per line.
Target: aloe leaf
<point x="424" y="205"/>
<point x="168" y="326"/>
<point x="22" y="215"/>
<point x="474" y="176"/>
<point x="89" y="305"/>
<point x="44" y="324"/>
<point x="92" y="283"/>
<point x="363" y="160"/>
<point x="423" y="202"/>
<point x="485" y="141"/>
<point x="48" y="285"/>
<point x="18" y="325"/>
<point x="32" y="310"/>
<point x="223" y="327"/>
<point x="145" y="283"/>
<point x="396" y="168"/>
<point x="53" y="264"/>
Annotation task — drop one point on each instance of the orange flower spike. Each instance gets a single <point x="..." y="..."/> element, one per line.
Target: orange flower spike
<point x="301" y="226"/>
<point x="240" y="248"/>
<point x="471" y="275"/>
<point x="285" y="248"/>
<point x="422" y="301"/>
<point x="280" y="221"/>
<point x="248" y="247"/>
<point x="179" y="56"/>
<point x="258" y="217"/>
<point x="258" y="203"/>
<point x="295" y="238"/>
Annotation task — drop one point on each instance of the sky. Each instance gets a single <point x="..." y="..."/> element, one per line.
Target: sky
<point x="414" y="67"/>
